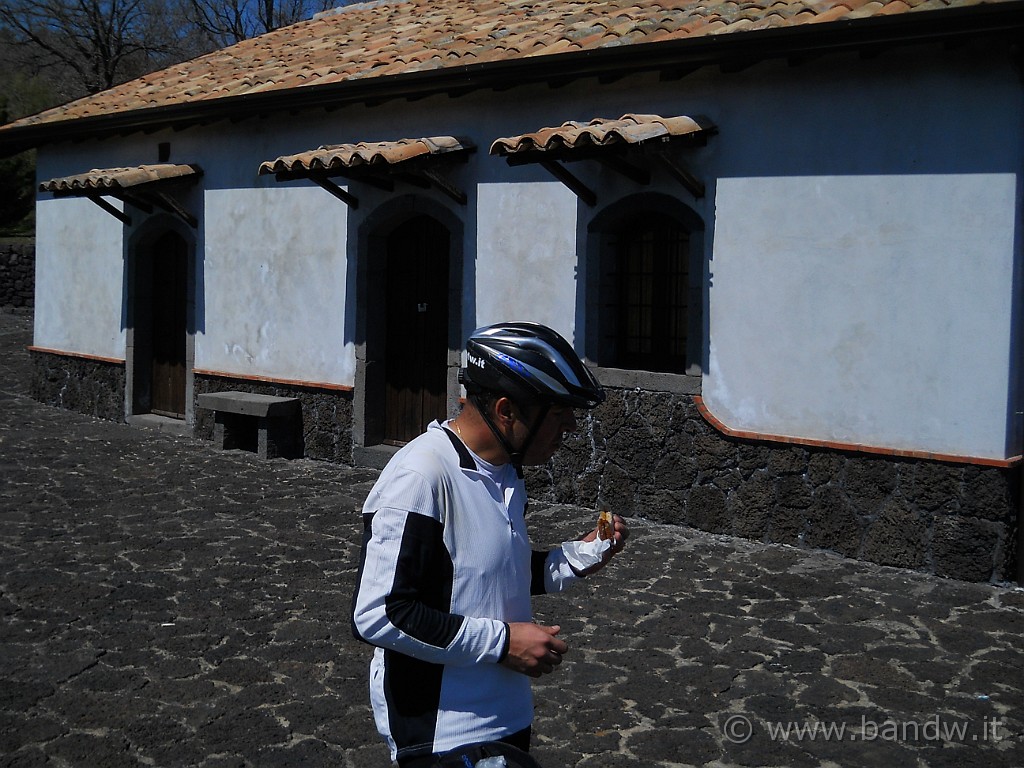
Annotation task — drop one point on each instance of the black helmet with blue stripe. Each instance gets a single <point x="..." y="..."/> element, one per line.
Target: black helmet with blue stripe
<point x="529" y="363"/>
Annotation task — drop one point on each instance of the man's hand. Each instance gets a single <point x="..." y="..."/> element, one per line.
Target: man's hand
<point x="533" y="649"/>
<point x="618" y="543"/>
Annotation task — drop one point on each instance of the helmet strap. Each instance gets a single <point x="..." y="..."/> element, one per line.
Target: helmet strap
<point x="515" y="456"/>
<point x="517" y="461"/>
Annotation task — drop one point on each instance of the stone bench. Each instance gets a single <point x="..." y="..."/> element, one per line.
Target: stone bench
<point x="269" y="426"/>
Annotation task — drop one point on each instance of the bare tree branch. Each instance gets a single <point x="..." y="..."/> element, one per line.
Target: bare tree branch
<point x="228" y="22"/>
<point x="99" y="42"/>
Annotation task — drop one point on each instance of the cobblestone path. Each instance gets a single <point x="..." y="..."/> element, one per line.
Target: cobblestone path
<point x="166" y="604"/>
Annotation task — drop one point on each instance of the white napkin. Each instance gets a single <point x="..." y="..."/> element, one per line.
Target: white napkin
<point x="583" y="554"/>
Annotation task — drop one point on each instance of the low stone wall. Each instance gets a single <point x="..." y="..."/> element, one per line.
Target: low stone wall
<point x="654" y="455"/>
<point x="326" y="414"/>
<point x="17" y="272"/>
<point x="85" y="385"/>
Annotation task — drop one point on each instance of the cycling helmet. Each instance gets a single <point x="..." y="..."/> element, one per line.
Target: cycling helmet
<point x="528" y="363"/>
<point x="532" y="365"/>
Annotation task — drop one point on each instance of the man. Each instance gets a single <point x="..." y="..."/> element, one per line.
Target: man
<point x="447" y="570"/>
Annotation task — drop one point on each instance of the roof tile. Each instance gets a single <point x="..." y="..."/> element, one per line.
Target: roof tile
<point x="832" y="14"/>
<point x="868" y="9"/>
<point x="896" y="6"/>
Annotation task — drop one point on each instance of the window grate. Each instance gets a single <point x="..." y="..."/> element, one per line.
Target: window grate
<point x="652" y="275"/>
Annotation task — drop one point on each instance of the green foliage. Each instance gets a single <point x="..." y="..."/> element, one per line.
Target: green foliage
<point x="20" y="95"/>
<point x="17" y="194"/>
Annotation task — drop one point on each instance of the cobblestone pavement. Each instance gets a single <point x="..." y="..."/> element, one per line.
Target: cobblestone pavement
<point x="166" y="604"/>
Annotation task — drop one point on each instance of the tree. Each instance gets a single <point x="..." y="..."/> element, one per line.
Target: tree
<point x="99" y="43"/>
<point x="53" y="51"/>
<point x="225" y="22"/>
<point x="20" y="94"/>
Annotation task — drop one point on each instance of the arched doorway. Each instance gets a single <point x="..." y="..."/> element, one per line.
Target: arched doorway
<point x="169" y="328"/>
<point x="409" y="287"/>
<point x="416" y="327"/>
<point x="159" y="325"/>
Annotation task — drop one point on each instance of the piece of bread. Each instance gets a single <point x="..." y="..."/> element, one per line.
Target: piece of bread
<point x="605" y="525"/>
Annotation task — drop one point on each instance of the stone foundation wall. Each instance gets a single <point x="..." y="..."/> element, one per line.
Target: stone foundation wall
<point x="654" y="455"/>
<point x="17" y="272"/>
<point x="326" y="414"/>
<point x="85" y="385"/>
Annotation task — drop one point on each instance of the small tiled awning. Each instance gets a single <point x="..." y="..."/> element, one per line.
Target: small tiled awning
<point x="379" y="164"/>
<point x="143" y="187"/>
<point x="108" y="179"/>
<point x="599" y="132"/>
<point x="607" y="141"/>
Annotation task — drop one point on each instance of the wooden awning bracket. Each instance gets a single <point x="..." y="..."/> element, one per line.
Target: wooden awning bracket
<point x="554" y="163"/>
<point x="423" y="178"/>
<point x="127" y="199"/>
<point x="614" y="162"/>
<point x="445" y="184"/>
<point x="145" y="202"/>
<point x="347" y="198"/>
<point x="415" y="178"/>
<point x="564" y="175"/>
<point x="382" y="180"/>
<point x="170" y="204"/>
<point x="641" y="176"/>
<point x="121" y="216"/>
<point x="692" y="184"/>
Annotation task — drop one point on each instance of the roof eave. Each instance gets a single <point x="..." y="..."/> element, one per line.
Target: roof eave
<point x="738" y="48"/>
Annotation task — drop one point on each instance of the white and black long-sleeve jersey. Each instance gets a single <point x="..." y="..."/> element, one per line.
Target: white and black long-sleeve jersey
<point x="446" y="564"/>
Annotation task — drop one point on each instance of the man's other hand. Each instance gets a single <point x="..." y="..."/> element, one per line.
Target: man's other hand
<point x="533" y="649"/>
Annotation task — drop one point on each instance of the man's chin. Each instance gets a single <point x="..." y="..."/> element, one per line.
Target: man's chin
<point x="537" y="460"/>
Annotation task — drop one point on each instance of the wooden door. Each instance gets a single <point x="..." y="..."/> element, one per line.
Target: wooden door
<point x="416" y="352"/>
<point x="169" y="291"/>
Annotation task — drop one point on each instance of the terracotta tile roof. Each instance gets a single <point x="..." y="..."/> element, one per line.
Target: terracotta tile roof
<point x="348" y="156"/>
<point x="599" y="132"/>
<point x="113" y="179"/>
<point x="375" y="40"/>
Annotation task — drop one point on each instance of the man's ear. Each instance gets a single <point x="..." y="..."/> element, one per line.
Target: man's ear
<point x="504" y="412"/>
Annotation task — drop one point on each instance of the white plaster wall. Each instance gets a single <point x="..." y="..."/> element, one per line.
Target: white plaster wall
<point x="79" y="279"/>
<point x="859" y="216"/>
<point x="864" y="309"/>
<point x="275" y="289"/>
<point x="526" y="255"/>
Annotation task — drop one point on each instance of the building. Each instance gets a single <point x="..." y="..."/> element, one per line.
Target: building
<point x="787" y="235"/>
